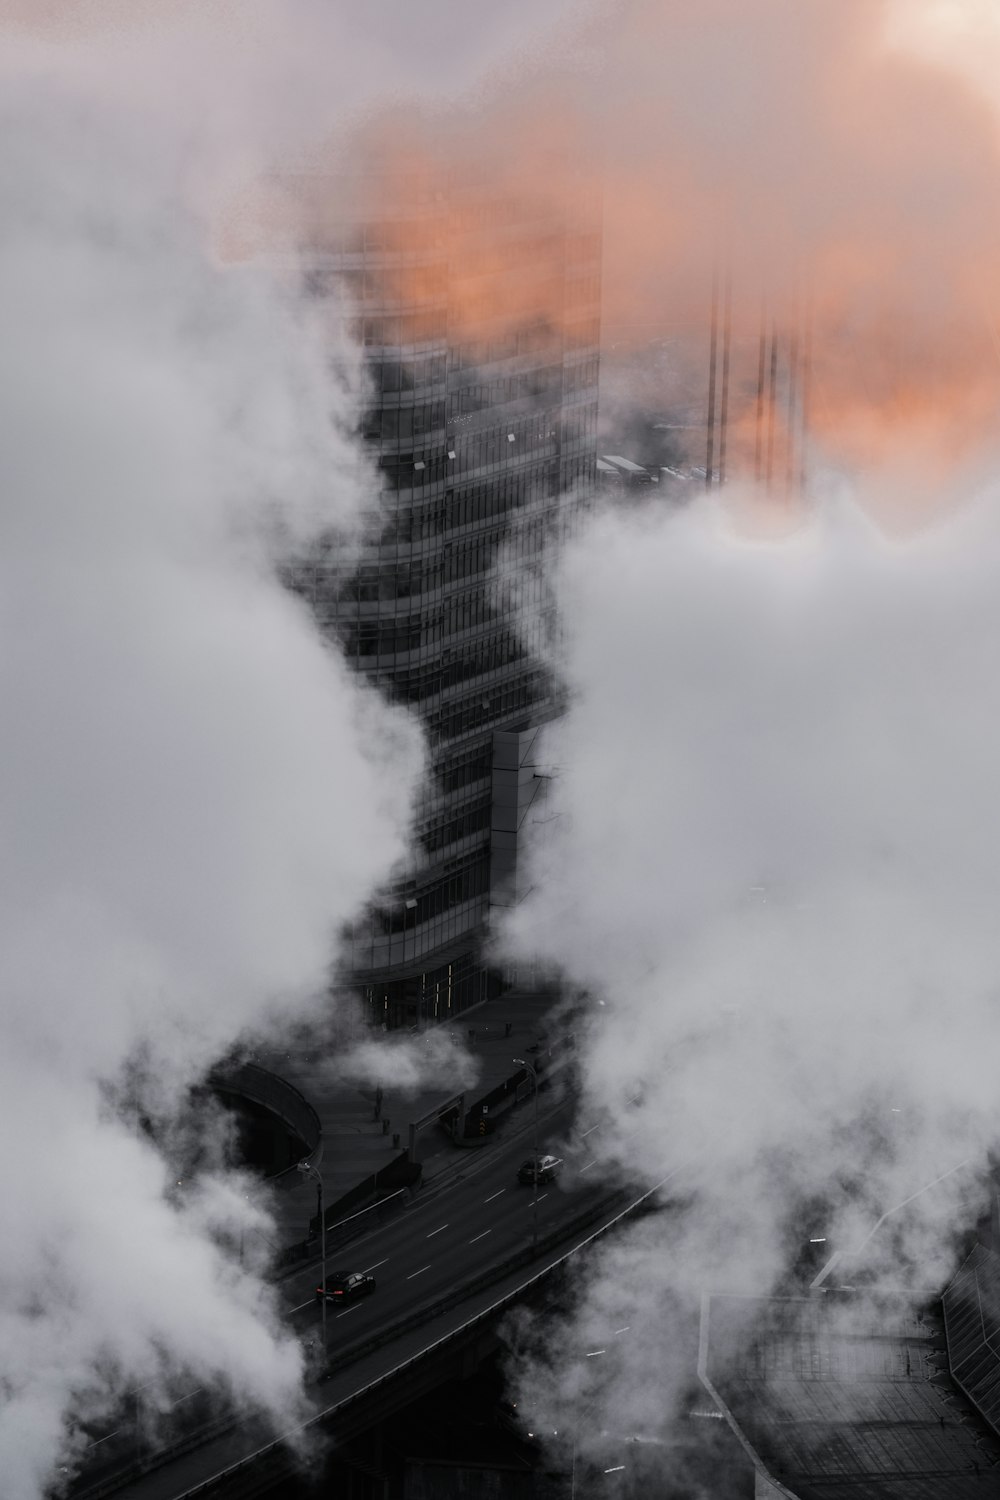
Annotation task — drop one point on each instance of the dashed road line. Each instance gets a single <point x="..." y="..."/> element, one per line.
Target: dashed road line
<point x="181" y="1399"/>
<point x="481" y="1236"/>
<point x="435" y="1231"/>
<point x="495" y="1195"/>
<point x="589" y="1164"/>
<point x="418" y="1273"/>
<point x="376" y="1266"/>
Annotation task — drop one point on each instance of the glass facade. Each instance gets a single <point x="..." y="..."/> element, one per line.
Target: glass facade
<point x="480" y="322"/>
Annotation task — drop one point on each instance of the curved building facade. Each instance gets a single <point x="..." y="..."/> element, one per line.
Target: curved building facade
<point x="479" y="317"/>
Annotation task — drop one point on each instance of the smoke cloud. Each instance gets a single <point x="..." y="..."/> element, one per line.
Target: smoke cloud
<point x="770" y="850"/>
<point x="434" y="1060"/>
<point x="196" y="792"/>
<point x="768" y="844"/>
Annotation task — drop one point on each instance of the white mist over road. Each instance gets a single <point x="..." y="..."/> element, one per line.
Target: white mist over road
<point x="772" y="850"/>
<point x="775" y="845"/>
<point x="195" y="791"/>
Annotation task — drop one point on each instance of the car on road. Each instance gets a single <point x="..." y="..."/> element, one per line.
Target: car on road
<point x="545" y="1170"/>
<point x="346" y="1288"/>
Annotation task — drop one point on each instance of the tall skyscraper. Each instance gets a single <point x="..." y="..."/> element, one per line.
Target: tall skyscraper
<point x="479" y="315"/>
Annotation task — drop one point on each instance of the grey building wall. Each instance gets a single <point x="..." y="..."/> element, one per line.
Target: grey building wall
<point x="484" y="425"/>
<point x="518" y="785"/>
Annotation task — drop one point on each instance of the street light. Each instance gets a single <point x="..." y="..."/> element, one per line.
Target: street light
<point x="523" y="1062"/>
<point x="308" y="1170"/>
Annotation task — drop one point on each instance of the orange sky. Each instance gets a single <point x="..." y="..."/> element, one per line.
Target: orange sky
<point x="852" y="185"/>
<point x="839" y="158"/>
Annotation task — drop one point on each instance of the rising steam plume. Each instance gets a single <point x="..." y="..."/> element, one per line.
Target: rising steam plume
<point x="190" y="798"/>
<point x="197" y="795"/>
<point x="782" y="753"/>
<point x="769" y="847"/>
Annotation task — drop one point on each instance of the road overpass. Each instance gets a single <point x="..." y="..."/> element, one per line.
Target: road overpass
<point x="447" y="1267"/>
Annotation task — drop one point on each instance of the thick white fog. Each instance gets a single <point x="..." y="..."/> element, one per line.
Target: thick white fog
<point x="195" y="793"/>
<point x="770" y="842"/>
<point x="195" y="790"/>
<point x="770" y="849"/>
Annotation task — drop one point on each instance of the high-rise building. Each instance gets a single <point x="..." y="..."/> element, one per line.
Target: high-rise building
<point x="479" y="316"/>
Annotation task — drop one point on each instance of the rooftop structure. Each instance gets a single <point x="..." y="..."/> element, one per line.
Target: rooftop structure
<point x="971" y="1307"/>
<point x="617" y="473"/>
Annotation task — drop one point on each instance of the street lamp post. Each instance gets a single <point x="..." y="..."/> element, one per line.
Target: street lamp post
<point x="308" y="1170"/>
<point x="534" y="1198"/>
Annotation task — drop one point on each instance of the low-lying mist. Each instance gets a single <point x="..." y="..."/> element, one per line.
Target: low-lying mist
<point x="770" y="848"/>
<point x="771" y="851"/>
<point x="196" y="791"/>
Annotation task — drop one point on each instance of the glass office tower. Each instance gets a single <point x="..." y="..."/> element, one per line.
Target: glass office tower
<point x="479" y="316"/>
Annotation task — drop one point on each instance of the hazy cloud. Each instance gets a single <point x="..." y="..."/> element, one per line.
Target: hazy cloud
<point x="770" y="843"/>
<point x="770" y="849"/>
<point x="196" y="792"/>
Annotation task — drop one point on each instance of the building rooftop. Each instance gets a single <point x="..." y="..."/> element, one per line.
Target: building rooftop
<point x="846" y="1396"/>
<point x="971" y="1305"/>
<point x="625" y="464"/>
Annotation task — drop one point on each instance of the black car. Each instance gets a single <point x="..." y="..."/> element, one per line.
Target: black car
<point x="547" y="1169"/>
<point x="346" y="1288"/>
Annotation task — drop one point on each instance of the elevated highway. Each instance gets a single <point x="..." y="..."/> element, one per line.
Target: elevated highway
<point x="447" y="1266"/>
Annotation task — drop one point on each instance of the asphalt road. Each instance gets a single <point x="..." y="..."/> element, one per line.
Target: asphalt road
<point x="467" y="1220"/>
<point x="448" y="1236"/>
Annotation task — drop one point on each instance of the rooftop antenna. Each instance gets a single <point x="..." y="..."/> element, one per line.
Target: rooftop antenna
<point x="806" y="392"/>
<point x="727" y="329"/>
<point x="793" y="371"/>
<point x="713" y="346"/>
<point x="761" y="358"/>
<point x="772" y="403"/>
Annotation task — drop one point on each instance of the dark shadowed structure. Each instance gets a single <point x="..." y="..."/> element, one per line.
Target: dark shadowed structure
<point x="844" y="1396"/>
<point x="479" y="317"/>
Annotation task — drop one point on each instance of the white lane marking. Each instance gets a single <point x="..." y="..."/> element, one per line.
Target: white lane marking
<point x="98" y="1441"/>
<point x="349" y="1310"/>
<point x="594" y="1352"/>
<point x="418" y="1273"/>
<point x="622" y="1330"/>
<point x="589" y="1164"/>
<point x="585" y="1134"/>
<point x="481" y="1236"/>
<point x="494" y="1195"/>
<point x="541" y="1196"/>
<point x="436" y="1231"/>
<point x="376" y="1266"/>
<point x="304" y="1304"/>
<point x="185" y="1398"/>
<point x="294" y="1431"/>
